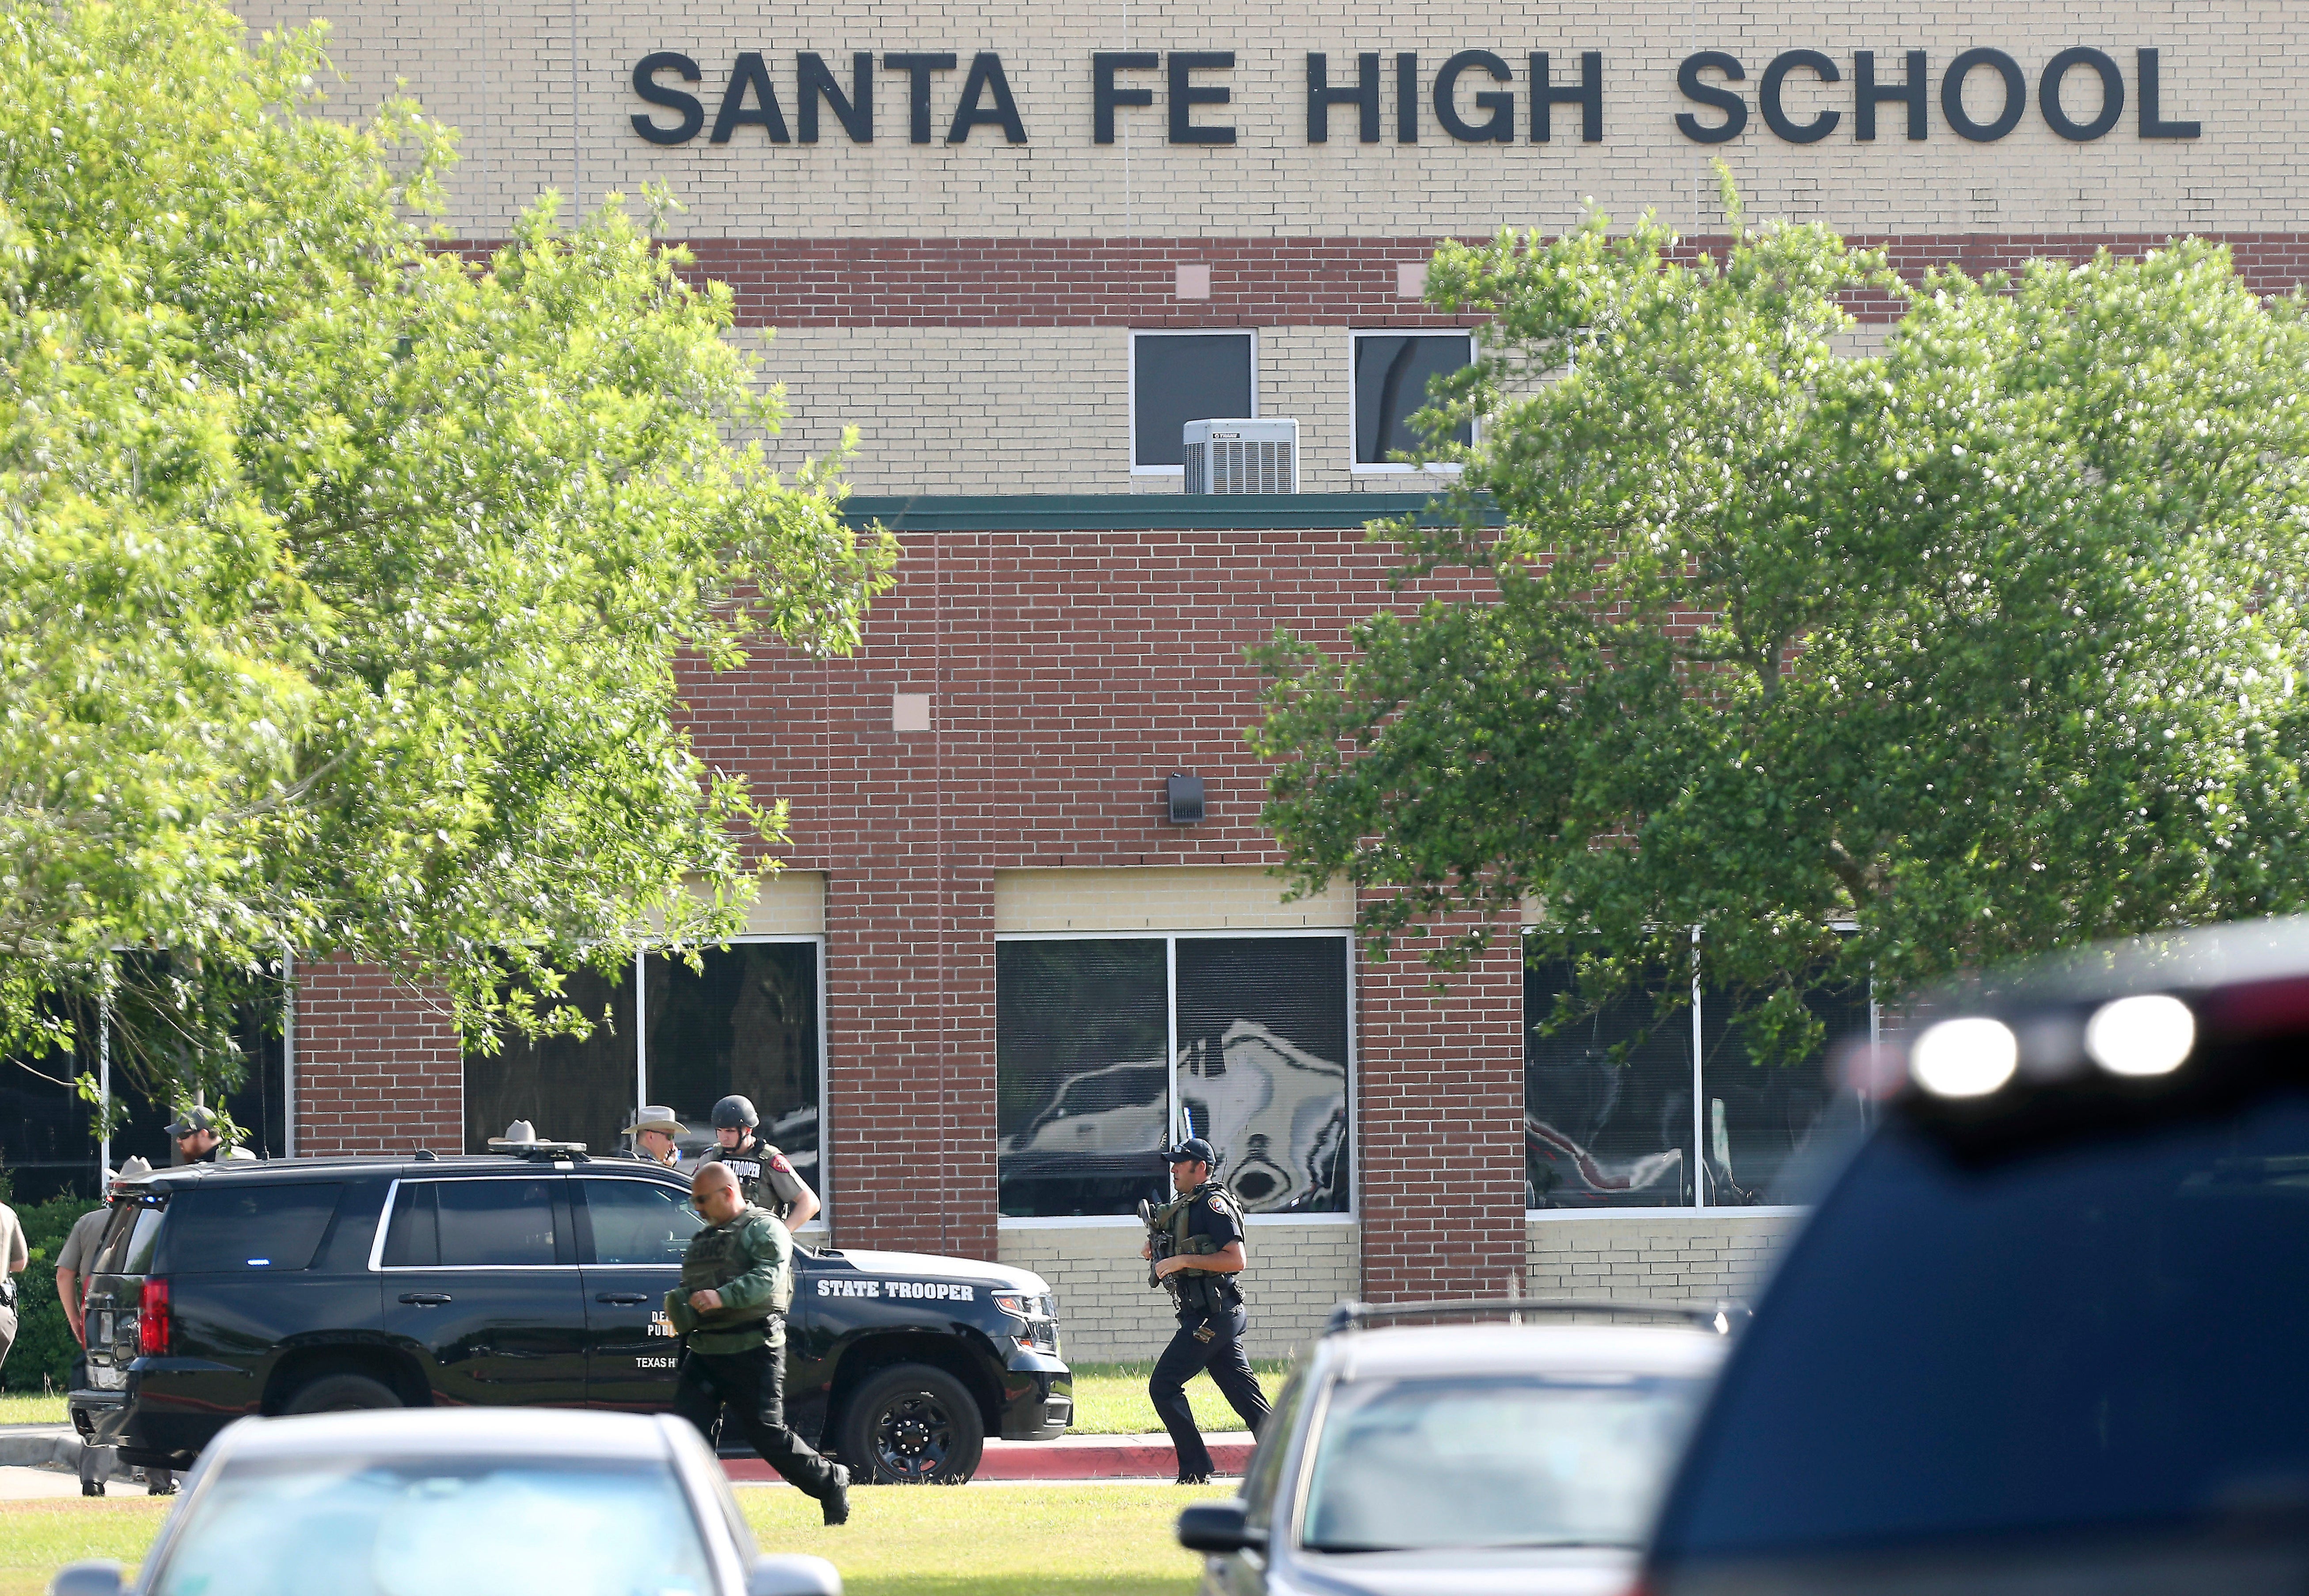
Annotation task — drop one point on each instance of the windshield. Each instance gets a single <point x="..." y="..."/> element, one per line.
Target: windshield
<point x="473" y="1527"/>
<point x="2108" y="1331"/>
<point x="1491" y="1461"/>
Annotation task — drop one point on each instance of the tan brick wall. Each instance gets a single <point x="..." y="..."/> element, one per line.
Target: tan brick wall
<point x="533" y="117"/>
<point x="1108" y="1314"/>
<point x="1698" y="1257"/>
<point x="1031" y="409"/>
<point x="1179" y="898"/>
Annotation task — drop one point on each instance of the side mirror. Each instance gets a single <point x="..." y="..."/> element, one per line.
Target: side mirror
<point x="1219" y="1527"/>
<point x="86" y="1579"/>
<point x="792" y="1574"/>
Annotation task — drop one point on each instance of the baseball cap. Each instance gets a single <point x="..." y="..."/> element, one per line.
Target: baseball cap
<point x="656" y="1116"/>
<point x="188" y="1120"/>
<point x="1193" y="1149"/>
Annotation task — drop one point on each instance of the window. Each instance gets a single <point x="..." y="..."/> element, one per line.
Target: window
<point x="746" y="1022"/>
<point x="1392" y="371"/>
<point x="267" y="1227"/>
<point x="1610" y="1118"/>
<point x="638" y="1221"/>
<point x="1178" y="377"/>
<point x="1107" y="1049"/>
<point x="472" y="1224"/>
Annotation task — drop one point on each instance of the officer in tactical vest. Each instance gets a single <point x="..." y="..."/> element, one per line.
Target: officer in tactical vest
<point x="737" y="1282"/>
<point x="765" y="1175"/>
<point x="1203" y="1254"/>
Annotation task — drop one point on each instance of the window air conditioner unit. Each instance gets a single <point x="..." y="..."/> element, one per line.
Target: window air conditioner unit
<point x="1242" y="456"/>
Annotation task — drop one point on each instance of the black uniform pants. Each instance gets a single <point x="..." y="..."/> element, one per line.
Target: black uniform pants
<point x="1229" y="1367"/>
<point x="753" y="1385"/>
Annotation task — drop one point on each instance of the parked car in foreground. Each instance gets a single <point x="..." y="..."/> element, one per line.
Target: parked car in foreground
<point x="2044" y="1333"/>
<point x="472" y="1503"/>
<point x="537" y="1279"/>
<point x="1468" y="1458"/>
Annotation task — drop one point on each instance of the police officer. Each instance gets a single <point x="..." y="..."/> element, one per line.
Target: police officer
<point x="197" y="1141"/>
<point x="1205" y="1254"/>
<point x="654" y="1131"/>
<point x="764" y="1174"/>
<point x="737" y="1282"/>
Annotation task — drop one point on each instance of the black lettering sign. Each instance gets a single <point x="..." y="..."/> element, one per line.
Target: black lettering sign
<point x="918" y="67"/>
<point x="1499" y="127"/>
<point x="1186" y="95"/>
<point x="1767" y="96"/>
<point x="1321" y="97"/>
<point x="984" y="78"/>
<point x="693" y="115"/>
<point x="1734" y="108"/>
<point x="2153" y="124"/>
<point x="1104" y="96"/>
<point x="2111" y="95"/>
<point x="2015" y="96"/>
<point x="1867" y="94"/>
<point x="749" y="76"/>
<point x="1406" y="98"/>
<point x="816" y="82"/>
<point x="1546" y="96"/>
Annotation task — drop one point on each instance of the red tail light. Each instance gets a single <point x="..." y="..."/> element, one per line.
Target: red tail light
<point x="154" y="1326"/>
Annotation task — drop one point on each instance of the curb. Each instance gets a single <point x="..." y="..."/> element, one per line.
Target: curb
<point x="1069" y="1457"/>
<point x="39" y="1447"/>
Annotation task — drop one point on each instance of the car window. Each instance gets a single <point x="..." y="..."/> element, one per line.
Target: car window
<point x="2105" y="1331"/>
<point x="638" y="1221"/>
<point x="1258" y="1480"/>
<point x="128" y="1244"/>
<point x="1464" y="1461"/>
<point x="442" y="1527"/>
<point x="465" y="1224"/>
<point x="249" y="1227"/>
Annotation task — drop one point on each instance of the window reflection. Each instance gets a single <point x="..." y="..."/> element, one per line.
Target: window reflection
<point x="1082" y="1095"/>
<point x="1761" y="1119"/>
<point x="744" y="1023"/>
<point x="1603" y="1129"/>
<point x="1263" y="1067"/>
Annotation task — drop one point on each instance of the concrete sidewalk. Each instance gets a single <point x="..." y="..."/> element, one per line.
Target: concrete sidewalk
<point x="1069" y="1457"/>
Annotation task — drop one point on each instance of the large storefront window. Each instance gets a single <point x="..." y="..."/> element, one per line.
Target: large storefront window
<point x="746" y="1022"/>
<point x="1628" y="1107"/>
<point x="1089" y="1086"/>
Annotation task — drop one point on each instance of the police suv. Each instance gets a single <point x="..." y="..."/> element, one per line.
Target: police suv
<point x="538" y="1279"/>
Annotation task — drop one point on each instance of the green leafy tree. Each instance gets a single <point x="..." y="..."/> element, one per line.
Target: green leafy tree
<point x="1988" y="644"/>
<point x="344" y="581"/>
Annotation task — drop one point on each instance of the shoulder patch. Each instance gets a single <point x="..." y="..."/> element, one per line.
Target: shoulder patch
<point x="1219" y="1204"/>
<point x="778" y="1162"/>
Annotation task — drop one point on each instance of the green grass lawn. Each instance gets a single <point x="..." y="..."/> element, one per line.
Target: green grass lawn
<point x="1001" y="1541"/>
<point x="1110" y="1399"/>
<point x="23" y="1406"/>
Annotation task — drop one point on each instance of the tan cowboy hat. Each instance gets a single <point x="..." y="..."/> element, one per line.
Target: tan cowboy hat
<point x="657" y="1116"/>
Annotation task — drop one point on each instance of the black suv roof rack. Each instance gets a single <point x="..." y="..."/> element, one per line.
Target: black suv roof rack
<point x="1361" y="1316"/>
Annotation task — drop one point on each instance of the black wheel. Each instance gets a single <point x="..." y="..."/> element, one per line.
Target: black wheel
<point x="341" y="1394"/>
<point x="912" y="1425"/>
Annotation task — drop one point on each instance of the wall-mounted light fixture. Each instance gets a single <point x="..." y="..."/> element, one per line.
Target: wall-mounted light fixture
<point x="1186" y="795"/>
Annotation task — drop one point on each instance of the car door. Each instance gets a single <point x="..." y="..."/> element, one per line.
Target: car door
<point x="634" y="1231"/>
<point x="482" y="1277"/>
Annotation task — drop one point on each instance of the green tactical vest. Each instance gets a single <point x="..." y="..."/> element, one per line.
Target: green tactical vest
<point x="718" y="1255"/>
<point x="1198" y="1288"/>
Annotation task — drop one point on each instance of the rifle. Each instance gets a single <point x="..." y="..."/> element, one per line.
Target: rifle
<point x="1158" y="1246"/>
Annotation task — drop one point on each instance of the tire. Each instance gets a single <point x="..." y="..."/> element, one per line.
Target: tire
<point x="341" y="1394"/>
<point x="912" y="1425"/>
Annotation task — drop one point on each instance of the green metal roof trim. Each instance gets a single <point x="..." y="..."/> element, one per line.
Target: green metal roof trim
<point x="1131" y="512"/>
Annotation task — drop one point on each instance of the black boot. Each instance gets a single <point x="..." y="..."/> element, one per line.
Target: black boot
<point x="837" y="1500"/>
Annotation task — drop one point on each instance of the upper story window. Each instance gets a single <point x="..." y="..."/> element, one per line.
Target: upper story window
<point x="1178" y="377"/>
<point x="1392" y="371"/>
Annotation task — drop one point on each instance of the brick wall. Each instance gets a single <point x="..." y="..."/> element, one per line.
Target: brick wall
<point x="1682" y="1258"/>
<point x="379" y="1067"/>
<point x="1107" y="1314"/>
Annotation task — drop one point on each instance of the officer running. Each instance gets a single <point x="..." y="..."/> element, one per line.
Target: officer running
<point x="765" y="1175"/>
<point x="1207" y="1253"/>
<point x="737" y="1282"/>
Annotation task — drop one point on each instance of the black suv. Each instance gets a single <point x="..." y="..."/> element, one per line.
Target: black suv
<point x="2045" y="1333"/>
<point x="311" y="1284"/>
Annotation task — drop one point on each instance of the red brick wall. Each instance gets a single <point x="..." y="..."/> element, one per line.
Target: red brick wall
<point x="1070" y="672"/>
<point x="379" y="1068"/>
<point x="1442" y="1185"/>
